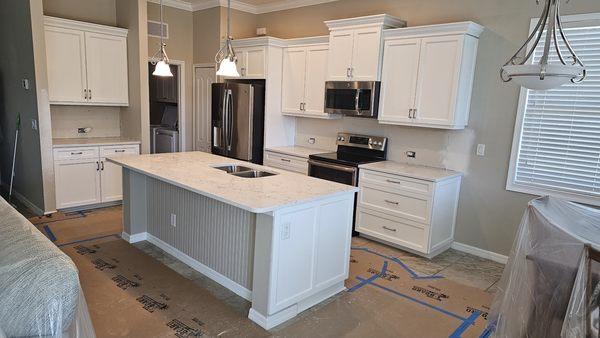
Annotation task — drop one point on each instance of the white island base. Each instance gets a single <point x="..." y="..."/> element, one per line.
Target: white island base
<point x="284" y="261"/>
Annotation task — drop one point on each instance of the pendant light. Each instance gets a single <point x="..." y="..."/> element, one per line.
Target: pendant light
<point x="225" y="57"/>
<point x="161" y="60"/>
<point x="544" y="75"/>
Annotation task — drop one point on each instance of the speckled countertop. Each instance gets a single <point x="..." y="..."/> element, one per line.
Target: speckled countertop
<point x="194" y="171"/>
<point x="298" y="151"/>
<point x="413" y="171"/>
<point x="91" y="141"/>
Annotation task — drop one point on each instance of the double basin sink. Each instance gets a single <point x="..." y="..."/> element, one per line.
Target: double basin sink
<point x="244" y="172"/>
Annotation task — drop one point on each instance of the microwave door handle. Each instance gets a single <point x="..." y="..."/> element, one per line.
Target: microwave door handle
<point x="357" y="100"/>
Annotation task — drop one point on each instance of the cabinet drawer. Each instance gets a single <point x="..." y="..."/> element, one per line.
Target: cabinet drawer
<point x="286" y="162"/>
<point x="394" y="182"/>
<point x="76" y="153"/>
<point x="406" y="233"/>
<point x="108" y="151"/>
<point x="407" y="205"/>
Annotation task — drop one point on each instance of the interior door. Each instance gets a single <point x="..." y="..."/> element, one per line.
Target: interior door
<point x="77" y="183"/>
<point x="340" y="51"/>
<point x="399" y="81"/>
<point x="365" y="54"/>
<point x="106" y="57"/>
<point x="294" y="74"/>
<point x="316" y="70"/>
<point x="111" y="181"/>
<point x="437" y="86"/>
<point x="203" y="80"/>
<point x="65" y="56"/>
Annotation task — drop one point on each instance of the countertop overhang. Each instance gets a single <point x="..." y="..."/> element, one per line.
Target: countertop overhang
<point x="194" y="171"/>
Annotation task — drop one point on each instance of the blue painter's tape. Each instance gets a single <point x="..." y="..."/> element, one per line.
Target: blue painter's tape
<point x="444" y="311"/>
<point x="370" y="279"/>
<point x="49" y="233"/>
<point x="413" y="274"/>
<point x="87" y="240"/>
<point x="465" y="324"/>
<point x="486" y="333"/>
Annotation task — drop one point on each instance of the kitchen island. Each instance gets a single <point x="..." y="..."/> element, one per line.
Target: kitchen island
<point x="281" y="241"/>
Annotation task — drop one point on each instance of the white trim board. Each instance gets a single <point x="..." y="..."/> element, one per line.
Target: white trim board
<point x="496" y="257"/>
<point x="194" y="264"/>
<point x="32" y="207"/>
<point x="278" y="5"/>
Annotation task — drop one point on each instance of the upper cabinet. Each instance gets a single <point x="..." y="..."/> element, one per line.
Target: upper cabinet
<point x="87" y="63"/>
<point x="427" y="75"/>
<point x="303" y="78"/>
<point x="355" y="47"/>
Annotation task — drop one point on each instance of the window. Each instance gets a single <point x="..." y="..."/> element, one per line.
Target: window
<point x="556" y="146"/>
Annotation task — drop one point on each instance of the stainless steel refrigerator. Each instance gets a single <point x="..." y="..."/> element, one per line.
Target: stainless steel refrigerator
<point x="238" y="115"/>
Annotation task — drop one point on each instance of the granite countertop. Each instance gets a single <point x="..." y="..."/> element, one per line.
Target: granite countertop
<point x="91" y="141"/>
<point x="413" y="171"/>
<point x="298" y="151"/>
<point x="194" y="171"/>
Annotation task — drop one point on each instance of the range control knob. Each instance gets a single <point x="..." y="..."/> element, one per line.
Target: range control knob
<point x="341" y="138"/>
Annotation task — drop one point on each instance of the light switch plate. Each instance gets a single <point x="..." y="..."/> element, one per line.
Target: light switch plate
<point x="173" y="220"/>
<point x="285" y="231"/>
<point x="481" y="150"/>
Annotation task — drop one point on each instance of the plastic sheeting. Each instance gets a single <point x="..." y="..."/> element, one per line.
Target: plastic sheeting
<point x="543" y="286"/>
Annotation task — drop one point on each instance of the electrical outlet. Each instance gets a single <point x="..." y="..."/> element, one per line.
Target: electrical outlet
<point x="285" y="231"/>
<point x="411" y="154"/>
<point x="84" y="130"/>
<point x="173" y="220"/>
<point x="481" y="150"/>
<point x="312" y="140"/>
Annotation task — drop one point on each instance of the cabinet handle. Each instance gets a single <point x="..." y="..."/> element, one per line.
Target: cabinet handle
<point x="351" y="72"/>
<point x="304" y="106"/>
<point x="90" y="93"/>
<point x="102" y="164"/>
<point x="414" y="116"/>
<point x="348" y="72"/>
<point x="120" y="151"/>
<point x="392" y="202"/>
<point x="285" y="160"/>
<point x="85" y="95"/>
<point x="77" y="153"/>
<point x="300" y="106"/>
<point x="410" y="113"/>
<point x="243" y="69"/>
<point x="395" y="182"/>
<point x="97" y="166"/>
<point x="389" y="229"/>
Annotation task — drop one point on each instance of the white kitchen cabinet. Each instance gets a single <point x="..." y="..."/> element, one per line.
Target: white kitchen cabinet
<point x="356" y="47"/>
<point x="427" y="76"/>
<point x="84" y="177"/>
<point x="87" y="63"/>
<point x="415" y="214"/>
<point x="286" y="162"/>
<point x="251" y="62"/>
<point x="303" y="81"/>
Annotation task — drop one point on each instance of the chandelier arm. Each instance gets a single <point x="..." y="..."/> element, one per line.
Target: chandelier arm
<point x="548" y="42"/>
<point x="536" y="31"/>
<point x="576" y="59"/>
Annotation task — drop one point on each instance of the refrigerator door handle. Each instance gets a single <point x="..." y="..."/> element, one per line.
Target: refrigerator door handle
<point x="224" y="120"/>
<point x="229" y="133"/>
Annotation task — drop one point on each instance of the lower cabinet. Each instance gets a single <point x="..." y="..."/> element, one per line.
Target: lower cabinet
<point x="417" y="215"/>
<point x="84" y="177"/>
<point x="286" y="162"/>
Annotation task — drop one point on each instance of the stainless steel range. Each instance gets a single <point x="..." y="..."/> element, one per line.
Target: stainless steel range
<point x="342" y="166"/>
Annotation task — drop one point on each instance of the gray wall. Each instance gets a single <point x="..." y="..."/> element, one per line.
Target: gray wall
<point x="488" y="214"/>
<point x="17" y="62"/>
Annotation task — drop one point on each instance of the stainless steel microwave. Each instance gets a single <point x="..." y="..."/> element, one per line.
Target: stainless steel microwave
<point x="358" y="98"/>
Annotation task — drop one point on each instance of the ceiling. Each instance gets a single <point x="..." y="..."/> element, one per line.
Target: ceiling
<point x="250" y="6"/>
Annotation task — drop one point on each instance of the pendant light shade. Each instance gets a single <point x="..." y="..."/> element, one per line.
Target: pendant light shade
<point x="544" y="75"/>
<point x="225" y="57"/>
<point x="160" y="59"/>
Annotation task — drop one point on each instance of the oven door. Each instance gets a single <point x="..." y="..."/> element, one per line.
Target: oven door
<point x="333" y="172"/>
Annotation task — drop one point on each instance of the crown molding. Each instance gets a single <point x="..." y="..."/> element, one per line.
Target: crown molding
<point x="380" y="20"/>
<point x="51" y="21"/>
<point x="455" y="28"/>
<point x="280" y="5"/>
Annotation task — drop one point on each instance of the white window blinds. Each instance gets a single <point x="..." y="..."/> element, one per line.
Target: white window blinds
<point x="559" y="145"/>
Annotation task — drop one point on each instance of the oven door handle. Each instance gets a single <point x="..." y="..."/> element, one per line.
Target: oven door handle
<point x="333" y="166"/>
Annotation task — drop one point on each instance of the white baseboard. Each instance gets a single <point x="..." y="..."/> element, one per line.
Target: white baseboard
<point x="203" y="269"/>
<point x="496" y="257"/>
<point x="275" y="319"/>
<point x="134" y="238"/>
<point x="36" y="210"/>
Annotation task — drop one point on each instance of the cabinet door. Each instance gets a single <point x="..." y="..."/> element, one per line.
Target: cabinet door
<point x="253" y="63"/>
<point x="65" y="57"/>
<point x="111" y="181"/>
<point x="77" y="183"/>
<point x="107" y="69"/>
<point x="316" y="68"/>
<point x="294" y="73"/>
<point x="366" y="54"/>
<point x="438" y="80"/>
<point x="399" y="80"/>
<point x="340" y="55"/>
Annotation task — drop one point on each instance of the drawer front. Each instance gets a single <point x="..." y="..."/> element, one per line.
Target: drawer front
<point x="112" y="151"/>
<point x="394" y="182"/>
<point x="286" y="162"/>
<point x="407" y="205"/>
<point x="75" y="153"/>
<point x="409" y="234"/>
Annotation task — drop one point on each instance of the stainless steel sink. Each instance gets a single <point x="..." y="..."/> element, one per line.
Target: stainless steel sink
<point x="253" y="174"/>
<point x="233" y="168"/>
